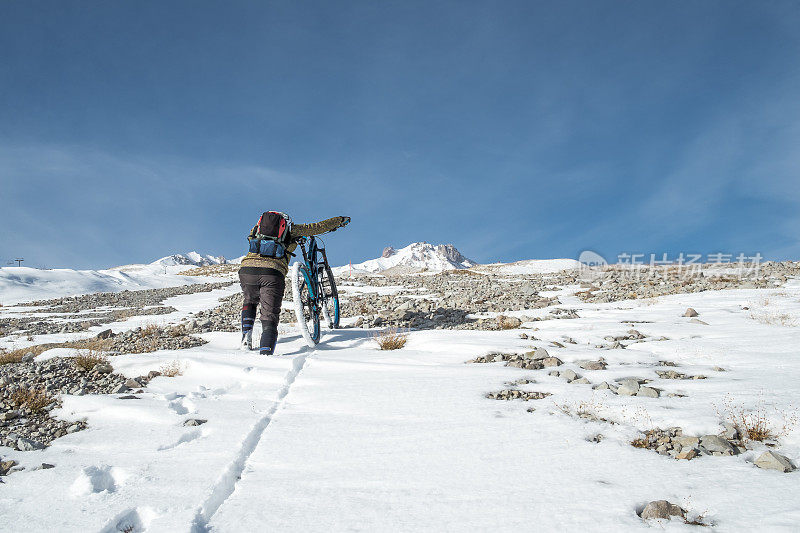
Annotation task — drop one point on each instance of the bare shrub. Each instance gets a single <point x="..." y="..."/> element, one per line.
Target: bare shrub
<point x="34" y="399"/>
<point x="758" y="423"/>
<point x="391" y="339"/>
<point x="591" y="409"/>
<point x="637" y="416"/>
<point x="171" y="369"/>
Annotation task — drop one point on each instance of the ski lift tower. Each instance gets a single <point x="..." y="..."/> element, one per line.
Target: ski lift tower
<point x="19" y="261"/>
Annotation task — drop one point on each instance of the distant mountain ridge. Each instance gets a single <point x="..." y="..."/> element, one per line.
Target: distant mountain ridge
<point x="190" y="259"/>
<point x="425" y="257"/>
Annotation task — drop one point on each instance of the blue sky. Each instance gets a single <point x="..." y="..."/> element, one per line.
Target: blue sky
<point x="130" y="130"/>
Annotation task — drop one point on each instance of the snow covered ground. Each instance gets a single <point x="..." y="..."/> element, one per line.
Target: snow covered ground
<point x="24" y="284"/>
<point x="350" y="438"/>
<point x="530" y="266"/>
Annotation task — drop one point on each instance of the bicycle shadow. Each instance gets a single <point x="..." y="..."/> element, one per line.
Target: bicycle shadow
<point x="356" y="337"/>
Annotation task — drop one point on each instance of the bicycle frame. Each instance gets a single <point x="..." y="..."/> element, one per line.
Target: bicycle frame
<point x="312" y="264"/>
<point x="314" y="290"/>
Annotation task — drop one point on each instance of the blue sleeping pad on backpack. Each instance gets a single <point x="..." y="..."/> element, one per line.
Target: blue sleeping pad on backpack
<point x="267" y="248"/>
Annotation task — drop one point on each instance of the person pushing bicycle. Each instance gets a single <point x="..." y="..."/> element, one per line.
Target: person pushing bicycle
<point x="262" y="273"/>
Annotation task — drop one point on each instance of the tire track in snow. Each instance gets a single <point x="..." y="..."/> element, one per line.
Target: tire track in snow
<point x="227" y="482"/>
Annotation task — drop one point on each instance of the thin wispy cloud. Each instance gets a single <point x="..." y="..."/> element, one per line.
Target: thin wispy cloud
<point x="61" y="201"/>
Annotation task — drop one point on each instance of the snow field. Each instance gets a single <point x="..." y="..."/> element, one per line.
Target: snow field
<point x="347" y="437"/>
<point x="24" y="284"/>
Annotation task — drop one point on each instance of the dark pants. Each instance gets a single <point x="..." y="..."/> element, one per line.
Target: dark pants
<point x="263" y="289"/>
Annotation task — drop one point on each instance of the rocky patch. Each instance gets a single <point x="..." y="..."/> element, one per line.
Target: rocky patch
<point x="125" y="299"/>
<point x="154" y="338"/>
<point x="615" y="284"/>
<point x="78" y="313"/>
<point x="514" y="394"/>
<point x="30" y="391"/>
<point x="673" y="443"/>
<point x="672" y="374"/>
<point x="533" y="360"/>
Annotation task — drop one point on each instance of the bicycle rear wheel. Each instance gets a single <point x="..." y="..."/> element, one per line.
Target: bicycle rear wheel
<point x="330" y="296"/>
<point x="305" y="306"/>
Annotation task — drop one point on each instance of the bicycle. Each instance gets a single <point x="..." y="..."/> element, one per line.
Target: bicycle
<point x="314" y="291"/>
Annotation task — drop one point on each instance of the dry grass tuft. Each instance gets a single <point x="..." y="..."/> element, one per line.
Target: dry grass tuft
<point x="89" y="359"/>
<point x="171" y="369"/>
<point x="759" y="423"/>
<point x="505" y="322"/>
<point x="150" y="330"/>
<point x="90" y="352"/>
<point x="34" y="399"/>
<point x="391" y="339"/>
<point x="177" y="331"/>
<point x="775" y="319"/>
<point x="11" y="357"/>
<point x="92" y="344"/>
<point x="15" y="356"/>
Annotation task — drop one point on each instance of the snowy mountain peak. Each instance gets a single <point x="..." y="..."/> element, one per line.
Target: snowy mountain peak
<point x="192" y="258"/>
<point x="416" y="257"/>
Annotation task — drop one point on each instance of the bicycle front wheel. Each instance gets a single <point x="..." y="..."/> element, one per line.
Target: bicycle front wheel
<point x="305" y="305"/>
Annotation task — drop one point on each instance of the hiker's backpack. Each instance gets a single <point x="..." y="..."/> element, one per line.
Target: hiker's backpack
<point x="271" y="235"/>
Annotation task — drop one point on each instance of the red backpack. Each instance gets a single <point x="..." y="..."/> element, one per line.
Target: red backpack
<point x="271" y="235"/>
<point x="274" y="226"/>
